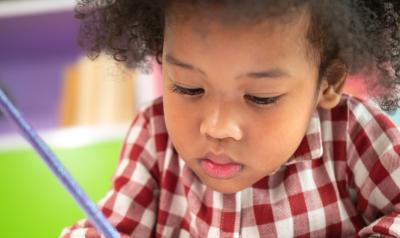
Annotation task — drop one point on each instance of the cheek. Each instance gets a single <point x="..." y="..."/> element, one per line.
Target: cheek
<point x="180" y="120"/>
<point x="270" y="136"/>
<point x="174" y="113"/>
<point x="276" y="137"/>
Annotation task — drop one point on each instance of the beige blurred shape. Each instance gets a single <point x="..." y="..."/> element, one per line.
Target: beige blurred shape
<point x="98" y="92"/>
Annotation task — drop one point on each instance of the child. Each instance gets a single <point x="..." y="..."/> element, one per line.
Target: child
<point x="253" y="136"/>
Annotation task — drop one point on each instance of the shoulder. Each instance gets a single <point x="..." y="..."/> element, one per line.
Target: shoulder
<point x="356" y="110"/>
<point x="151" y="117"/>
<point x="154" y="109"/>
<point x="143" y="147"/>
<point x="370" y="130"/>
<point x="148" y="128"/>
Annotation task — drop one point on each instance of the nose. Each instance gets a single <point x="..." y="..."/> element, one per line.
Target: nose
<point x="220" y="122"/>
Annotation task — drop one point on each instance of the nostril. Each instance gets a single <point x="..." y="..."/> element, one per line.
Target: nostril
<point x="213" y="139"/>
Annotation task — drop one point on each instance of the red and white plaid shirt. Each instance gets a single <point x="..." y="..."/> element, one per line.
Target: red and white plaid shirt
<point x="343" y="181"/>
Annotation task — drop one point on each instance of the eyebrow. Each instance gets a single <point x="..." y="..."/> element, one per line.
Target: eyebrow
<point x="174" y="61"/>
<point x="272" y="74"/>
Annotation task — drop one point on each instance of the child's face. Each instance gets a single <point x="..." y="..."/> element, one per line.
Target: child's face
<point x="237" y="99"/>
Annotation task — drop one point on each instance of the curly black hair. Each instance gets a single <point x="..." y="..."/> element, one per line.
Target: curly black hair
<point x="364" y="34"/>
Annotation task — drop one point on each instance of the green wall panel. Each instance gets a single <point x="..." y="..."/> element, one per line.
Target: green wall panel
<point x="32" y="201"/>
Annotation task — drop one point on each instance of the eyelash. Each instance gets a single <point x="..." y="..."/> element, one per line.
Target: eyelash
<point x="259" y="101"/>
<point x="187" y="91"/>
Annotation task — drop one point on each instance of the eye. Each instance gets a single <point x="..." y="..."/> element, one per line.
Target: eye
<point x="262" y="101"/>
<point x="187" y="91"/>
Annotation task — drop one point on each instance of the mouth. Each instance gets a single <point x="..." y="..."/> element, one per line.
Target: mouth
<point x="220" y="166"/>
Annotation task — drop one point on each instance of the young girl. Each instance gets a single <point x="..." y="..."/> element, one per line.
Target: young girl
<point x="253" y="136"/>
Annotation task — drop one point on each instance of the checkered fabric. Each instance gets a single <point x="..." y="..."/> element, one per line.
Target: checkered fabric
<point x="343" y="181"/>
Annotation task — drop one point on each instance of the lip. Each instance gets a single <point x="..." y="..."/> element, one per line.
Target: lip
<point x="220" y="159"/>
<point x="220" y="166"/>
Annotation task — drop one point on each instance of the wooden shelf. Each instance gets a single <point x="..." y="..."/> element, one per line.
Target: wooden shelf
<point x="33" y="7"/>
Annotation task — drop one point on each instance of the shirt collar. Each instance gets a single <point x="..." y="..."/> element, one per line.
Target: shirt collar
<point x="311" y="145"/>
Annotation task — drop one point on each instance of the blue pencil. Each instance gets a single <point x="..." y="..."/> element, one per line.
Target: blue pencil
<point x="93" y="214"/>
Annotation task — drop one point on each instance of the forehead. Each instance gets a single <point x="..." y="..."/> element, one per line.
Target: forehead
<point x="189" y="31"/>
<point x="238" y="11"/>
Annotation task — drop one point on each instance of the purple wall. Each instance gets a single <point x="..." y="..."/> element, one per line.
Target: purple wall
<point x="34" y="51"/>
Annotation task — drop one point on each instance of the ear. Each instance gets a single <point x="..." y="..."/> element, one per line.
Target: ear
<point x="332" y="84"/>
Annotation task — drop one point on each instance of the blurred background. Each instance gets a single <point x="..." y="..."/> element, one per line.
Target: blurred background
<point x="82" y="108"/>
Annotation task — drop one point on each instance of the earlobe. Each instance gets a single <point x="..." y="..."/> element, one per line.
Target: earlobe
<point x="329" y="98"/>
<point x="332" y="85"/>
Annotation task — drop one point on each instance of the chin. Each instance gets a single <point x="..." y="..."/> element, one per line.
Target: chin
<point x="225" y="186"/>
